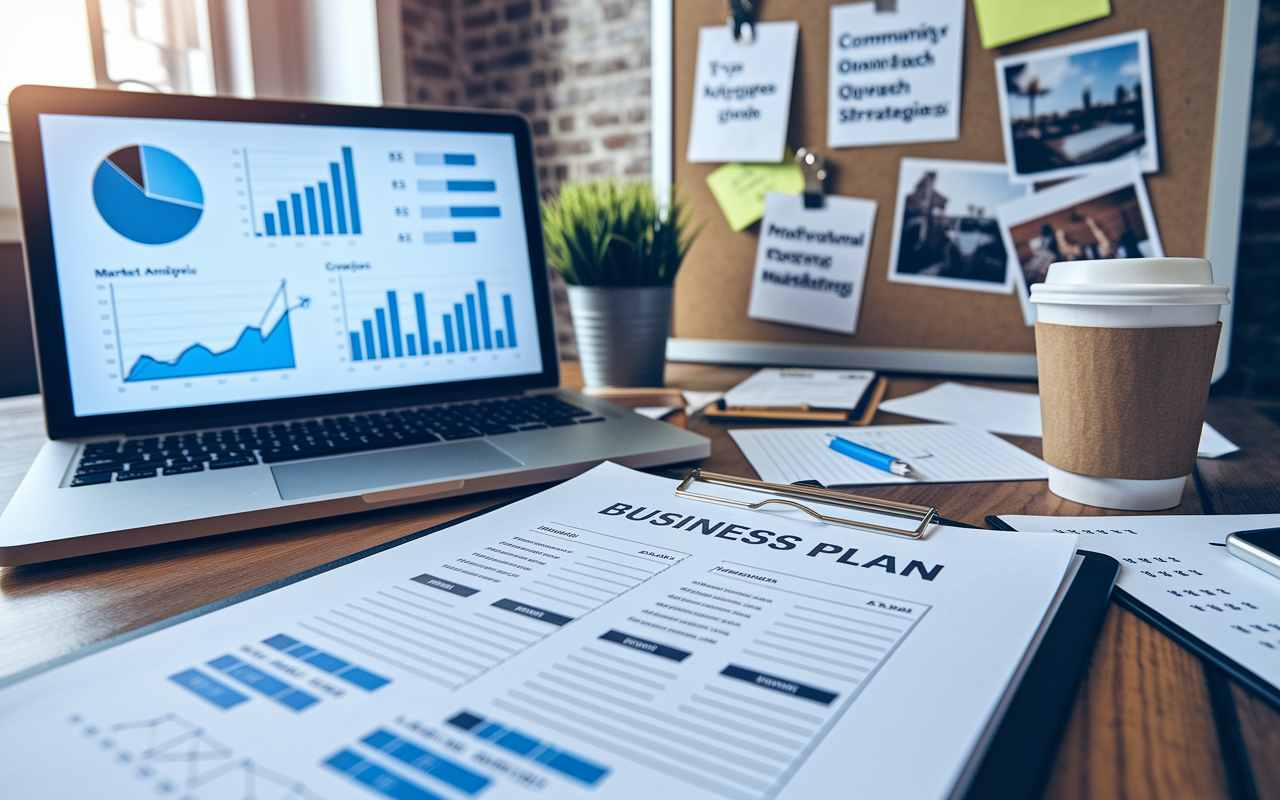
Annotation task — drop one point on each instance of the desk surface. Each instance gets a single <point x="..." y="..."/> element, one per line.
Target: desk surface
<point x="1143" y="724"/>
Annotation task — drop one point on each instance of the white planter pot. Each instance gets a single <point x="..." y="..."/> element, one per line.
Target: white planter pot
<point x="621" y="333"/>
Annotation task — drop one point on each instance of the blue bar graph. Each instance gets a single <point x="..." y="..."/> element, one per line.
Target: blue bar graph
<point x="420" y="309"/>
<point x="511" y="320"/>
<point x="444" y="159"/>
<point x="474" y="211"/>
<point x="312" y="217"/>
<point x="351" y="189"/>
<point x="338" y="202"/>
<point x="389" y="330"/>
<point x="383" y="350"/>
<point x="393" y="310"/>
<point x="462" y="327"/>
<point x="283" y="208"/>
<point x="484" y="316"/>
<point x="325" y="212"/>
<point x="317" y="207"/>
<point x="435" y="185"/>
<point x="448" y="237"/>
<point x="298" y="228"/>
<point x="471" y="319"/>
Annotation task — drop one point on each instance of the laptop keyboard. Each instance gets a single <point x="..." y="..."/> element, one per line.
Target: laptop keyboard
<point x="179" y="454"/>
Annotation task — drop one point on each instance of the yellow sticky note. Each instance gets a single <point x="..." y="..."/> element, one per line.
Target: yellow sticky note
<point x="740" y="188"/>
<point x="1003" y="21"/>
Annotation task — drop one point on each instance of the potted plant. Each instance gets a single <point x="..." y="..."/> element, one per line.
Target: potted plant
<point x="619" y="254"/>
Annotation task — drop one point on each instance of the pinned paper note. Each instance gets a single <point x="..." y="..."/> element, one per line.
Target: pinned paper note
<point x="740" y="189"/>
<point x="811" y="264"/>
<point x="895" y="76"/>
<point x="742" y="94"/>
<point x="1002" y="22"/>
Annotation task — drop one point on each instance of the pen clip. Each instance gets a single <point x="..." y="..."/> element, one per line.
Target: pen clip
<point x="782" y="494"/>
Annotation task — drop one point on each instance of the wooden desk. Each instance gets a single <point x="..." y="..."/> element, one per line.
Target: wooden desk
<point x="1143" y="724"/>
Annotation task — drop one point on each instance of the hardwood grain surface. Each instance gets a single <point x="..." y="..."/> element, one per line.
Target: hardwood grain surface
<point x="1141" y="726"/>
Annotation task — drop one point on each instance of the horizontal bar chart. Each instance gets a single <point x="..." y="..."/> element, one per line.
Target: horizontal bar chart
<point x="443" y="212"/>
<point x="457" y="186"/>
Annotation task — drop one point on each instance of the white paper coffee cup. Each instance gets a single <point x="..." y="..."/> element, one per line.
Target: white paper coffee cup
<point x="1125" y="350"/>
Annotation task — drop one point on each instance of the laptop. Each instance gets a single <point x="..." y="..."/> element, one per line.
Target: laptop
<point x="250" y="313"/>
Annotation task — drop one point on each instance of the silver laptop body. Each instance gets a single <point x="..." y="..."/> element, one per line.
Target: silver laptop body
<point x="251" y="313"/>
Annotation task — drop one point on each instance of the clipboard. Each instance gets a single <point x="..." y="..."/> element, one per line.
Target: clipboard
<point x="861" y="414"/>
<point x="1018" y="753"/>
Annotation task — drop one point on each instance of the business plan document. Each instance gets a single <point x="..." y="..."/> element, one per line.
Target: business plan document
<point x="601" y="639"/>
<point x="1179" y="567"/>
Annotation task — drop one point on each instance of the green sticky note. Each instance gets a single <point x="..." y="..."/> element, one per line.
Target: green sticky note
<point x="740" y="188"/>
<point x="1003" y="21"/>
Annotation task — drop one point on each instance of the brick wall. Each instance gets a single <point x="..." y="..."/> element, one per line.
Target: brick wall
<point x="1255" y="344"/>
<point x="578" y="69"/>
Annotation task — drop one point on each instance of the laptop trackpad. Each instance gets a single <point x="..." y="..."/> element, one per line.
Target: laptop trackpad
<point x="363" y="471"/>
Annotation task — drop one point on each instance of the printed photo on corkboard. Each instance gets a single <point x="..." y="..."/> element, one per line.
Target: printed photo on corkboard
<point x="1103" y="215"/>
<point x="1066" y="110"/>
<point x="945" y="231"/>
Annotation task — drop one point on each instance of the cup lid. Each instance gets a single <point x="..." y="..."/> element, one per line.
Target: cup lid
<point x="1130" y="281"/>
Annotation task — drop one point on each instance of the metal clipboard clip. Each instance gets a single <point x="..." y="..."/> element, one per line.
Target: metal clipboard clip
<point x="789" y="495"/>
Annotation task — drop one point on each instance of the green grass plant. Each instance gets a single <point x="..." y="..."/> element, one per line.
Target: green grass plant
<point x="606" y="233"/>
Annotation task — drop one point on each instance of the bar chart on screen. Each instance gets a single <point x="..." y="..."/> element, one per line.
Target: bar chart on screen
<point x="453" y="196"/>
<point x="407" y="317"/>
<point x="300" y="193"/>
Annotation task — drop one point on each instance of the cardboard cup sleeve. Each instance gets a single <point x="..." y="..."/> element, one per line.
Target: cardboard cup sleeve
<point x="1124" y="402"/>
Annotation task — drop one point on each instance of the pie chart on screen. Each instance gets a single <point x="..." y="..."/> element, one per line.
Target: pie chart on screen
<point x="147" y="194"/>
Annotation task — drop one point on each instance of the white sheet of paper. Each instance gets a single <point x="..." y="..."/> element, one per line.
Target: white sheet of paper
<point x="939" y="453"/>
<point x="1012" y="413"/>
<point x="1173" y="564"/>
<point x="791" y="386"/>
<point x="582" y="643"/>
<point x="811" y="263"/>
<point x="895" y="76"/>
<point x="995" y="410"/>
<point x="654" y="412"/>
<point x="742" y="94"/>
<point x="1214" y="444"/>
<point x="696" y="401"/>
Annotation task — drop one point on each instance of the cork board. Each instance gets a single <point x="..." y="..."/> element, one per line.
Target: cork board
<point x="714" y="285"/>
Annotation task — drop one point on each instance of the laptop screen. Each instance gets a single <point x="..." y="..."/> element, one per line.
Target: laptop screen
<point x="209" y="262"/>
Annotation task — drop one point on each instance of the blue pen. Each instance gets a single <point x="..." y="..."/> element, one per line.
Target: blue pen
<point x="872" y="458"/>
